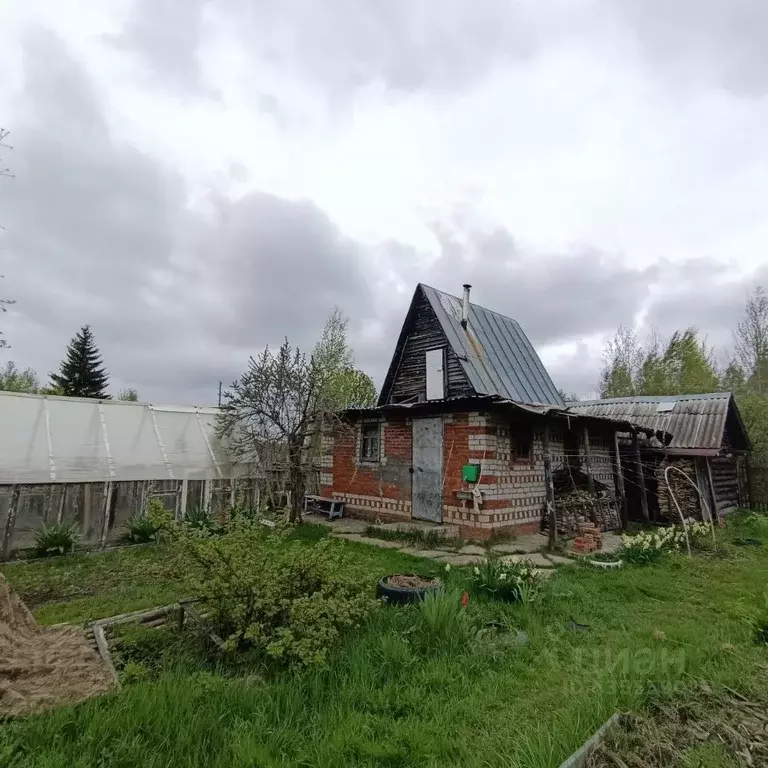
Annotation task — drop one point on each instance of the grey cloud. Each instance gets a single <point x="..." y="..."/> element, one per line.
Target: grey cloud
<point x="404" y="44"/>
<point x="166" y="34"/>
<point x="718" y="41"/>
<point x="281" y="265"/>
<point x="557" y="298"/>
<point x="100" y="233"/>
<point x="701" y="297"/>
<point x="412" y="45"/>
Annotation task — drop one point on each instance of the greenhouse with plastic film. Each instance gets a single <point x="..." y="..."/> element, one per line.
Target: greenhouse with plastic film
<point x="96" y="463"/>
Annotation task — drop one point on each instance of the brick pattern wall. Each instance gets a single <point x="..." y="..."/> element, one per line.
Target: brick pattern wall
<point x="512" y="486"/>
<point x="373" y="489"/>
<point x="601" y="457"/>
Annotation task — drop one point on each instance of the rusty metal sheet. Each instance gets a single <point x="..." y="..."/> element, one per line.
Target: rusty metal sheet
<point x="694" y="421"/>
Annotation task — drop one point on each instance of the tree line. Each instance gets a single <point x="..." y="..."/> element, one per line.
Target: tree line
<point x="685" y="364"/>
<point x="81" y="374"/>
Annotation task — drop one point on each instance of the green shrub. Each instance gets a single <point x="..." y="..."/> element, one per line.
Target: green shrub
<point x="760" y="622"/>
<point x="288" y="601"/>
<point x="134" y="672"/>
<point x="56" y="539"/>
<point x="641" y="553"/>
<point x="140" y="529"/>
<point x="201" y="521"/>
<point x="160" y="516"/>
<point x="755" y="525"/>
<point x="510" y="581"/>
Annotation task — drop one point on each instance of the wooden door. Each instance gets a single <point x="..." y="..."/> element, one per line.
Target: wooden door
<point x="427" y="491"/>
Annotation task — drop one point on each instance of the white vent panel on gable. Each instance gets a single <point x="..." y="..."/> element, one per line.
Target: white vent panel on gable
<point x="435" y="374"/>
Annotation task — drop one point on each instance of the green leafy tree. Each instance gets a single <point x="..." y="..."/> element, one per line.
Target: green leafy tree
<point x="344" y="386"/>
<point x="82" y="372"/>
<point x="275" y="412"/>
<point x="751" y="338"/>
<point x="623" y="356"/>
<point x="568" y="397"/>
<point x="747" y="375"/>
<point x="685" y="365"/>
<point x="682" y="365"/>
<point x="733" y="379"/>
<point x="128" y="395"/>
<point x="14" y="380"/>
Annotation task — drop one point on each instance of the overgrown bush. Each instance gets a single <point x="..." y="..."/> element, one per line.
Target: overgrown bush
<point x="159" y="515"/>
<point x="289" y="601"/>
<point x="56" y="539"/>
<point x="755" y="524"/>
<point x="510" y="581"/>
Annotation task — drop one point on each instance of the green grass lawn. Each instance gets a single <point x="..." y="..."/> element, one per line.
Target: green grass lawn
<point x="389" y="700"/>
<point x="87" y="587"/>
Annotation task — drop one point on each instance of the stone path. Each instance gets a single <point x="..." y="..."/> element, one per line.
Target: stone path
<point x="535" y="558"/>
<point x="527" y="548"/>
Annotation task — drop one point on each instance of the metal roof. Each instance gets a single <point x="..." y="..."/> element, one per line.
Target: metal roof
<point x="495" y="354"/>
<point x="695" y="421"/>
<point x="462" y="403"/>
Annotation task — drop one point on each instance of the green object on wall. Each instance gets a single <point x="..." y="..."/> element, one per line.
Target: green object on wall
<point x="470" y="473"/>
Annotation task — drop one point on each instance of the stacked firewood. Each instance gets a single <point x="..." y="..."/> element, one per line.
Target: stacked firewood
<point x="579" y="507"/>
<point x="686" y="495"/>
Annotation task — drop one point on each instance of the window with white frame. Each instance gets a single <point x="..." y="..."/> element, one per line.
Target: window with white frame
<point x="370" y="442"/>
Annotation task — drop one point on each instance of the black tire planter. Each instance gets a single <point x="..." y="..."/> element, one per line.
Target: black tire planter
<point x="401" y="595"/>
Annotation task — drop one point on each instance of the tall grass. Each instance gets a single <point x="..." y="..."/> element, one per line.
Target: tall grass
<point x="389" y="699"/>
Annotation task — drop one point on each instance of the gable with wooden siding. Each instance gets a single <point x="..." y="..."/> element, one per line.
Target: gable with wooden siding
<point x="489" y="355"/>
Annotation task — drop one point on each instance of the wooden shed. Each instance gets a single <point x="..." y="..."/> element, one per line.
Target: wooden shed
<point x="709" y="443"/>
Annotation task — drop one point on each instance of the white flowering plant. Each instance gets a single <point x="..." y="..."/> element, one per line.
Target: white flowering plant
<point x="508" y="580"/>
<point x="648" y="546"/>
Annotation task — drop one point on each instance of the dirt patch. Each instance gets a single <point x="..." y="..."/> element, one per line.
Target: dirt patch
<point x="43" y="666"/>
<point x="674" y="734"/>
<point x="412" y="582"/>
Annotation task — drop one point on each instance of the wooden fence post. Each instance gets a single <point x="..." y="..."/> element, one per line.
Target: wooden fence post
<point x="62" y="504"/>
<point x="550" y="488"/>
<point x="620" y="482"/>
<point x="184" y="497"/>
<point x="640" y="477"/>
<point x="715" y="516"/>
<point x="10" y="522"/>
<point x="109" y="490"/>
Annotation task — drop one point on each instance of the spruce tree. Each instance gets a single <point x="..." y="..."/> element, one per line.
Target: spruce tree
<point x="82" y="373"/>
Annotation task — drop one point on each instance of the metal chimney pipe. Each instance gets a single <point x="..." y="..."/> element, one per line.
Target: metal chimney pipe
<point x="465" y="306"/>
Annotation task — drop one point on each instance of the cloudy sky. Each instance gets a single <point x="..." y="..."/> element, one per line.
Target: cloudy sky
<point x="199" y="178"/>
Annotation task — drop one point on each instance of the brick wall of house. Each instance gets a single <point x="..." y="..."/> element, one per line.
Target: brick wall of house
<point x="512" y="486"/>
<point x="371" y="489"/>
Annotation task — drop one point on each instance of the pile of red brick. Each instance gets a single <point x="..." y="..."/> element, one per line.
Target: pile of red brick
<point x="588" y="540"/>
